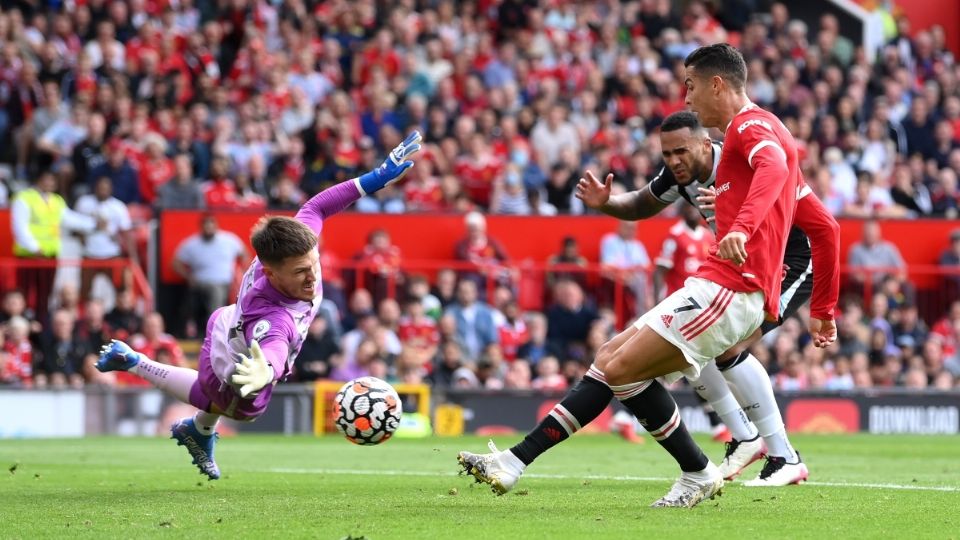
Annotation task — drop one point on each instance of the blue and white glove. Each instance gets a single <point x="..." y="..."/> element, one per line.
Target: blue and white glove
<point x="393" y="168"/>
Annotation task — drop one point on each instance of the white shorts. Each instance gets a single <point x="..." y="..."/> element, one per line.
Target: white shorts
<point x="703" y="320"/>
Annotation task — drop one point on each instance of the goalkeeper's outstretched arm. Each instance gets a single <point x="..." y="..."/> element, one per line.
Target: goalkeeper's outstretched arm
<point x="332" y="200"/>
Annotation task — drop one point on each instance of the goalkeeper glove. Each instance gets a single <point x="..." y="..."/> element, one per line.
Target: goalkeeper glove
<point x="393" y="168"/>
<point x="252" y="372"/>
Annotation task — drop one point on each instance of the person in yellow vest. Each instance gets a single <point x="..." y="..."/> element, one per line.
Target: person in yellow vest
<point x="36" y="218"/>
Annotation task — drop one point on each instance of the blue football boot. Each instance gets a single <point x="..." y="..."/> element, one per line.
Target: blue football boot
<point x="198" y="445"/>
<point x="117" y="356"/>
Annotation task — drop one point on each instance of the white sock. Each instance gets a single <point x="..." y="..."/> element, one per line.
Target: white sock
<point x="712" y="386"/>
<point x="176" y="381"/>
<point x="752" y="385"/>
<point x="205" y="422"/>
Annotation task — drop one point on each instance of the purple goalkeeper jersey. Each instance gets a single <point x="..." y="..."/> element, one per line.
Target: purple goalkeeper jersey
<point x="277" y="322"/>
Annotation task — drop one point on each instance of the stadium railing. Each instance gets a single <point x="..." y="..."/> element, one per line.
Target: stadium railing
<point x="10" y="274"/>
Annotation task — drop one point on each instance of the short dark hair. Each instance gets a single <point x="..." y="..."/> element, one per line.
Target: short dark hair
<point x="721" y="59"/>
<point x="276" y="238"/>
<point x="680" y="120"/>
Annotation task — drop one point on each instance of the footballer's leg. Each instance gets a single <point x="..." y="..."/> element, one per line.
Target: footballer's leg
<point x="751" y="384"/>
<point x="746" y="446"/>
<point x="585" y="402"/>
<point x="677" y="338"/>
<point x="645" y="356"/>
<point x="196" y="433"/>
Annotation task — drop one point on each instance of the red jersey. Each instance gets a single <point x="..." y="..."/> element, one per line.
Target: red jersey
<point x="683" y="251"/>
<point x="424" y="196"/>
<point x="19" y="364"/>
<point x="421" y="332"/>
<point x="757" y="182"/>
<point x="154" y="174"/>
<point x="219" y="194"/>
<point x="512" y="336"/>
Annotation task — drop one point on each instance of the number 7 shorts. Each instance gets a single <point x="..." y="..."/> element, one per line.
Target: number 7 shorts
<point x="703" y="320"/>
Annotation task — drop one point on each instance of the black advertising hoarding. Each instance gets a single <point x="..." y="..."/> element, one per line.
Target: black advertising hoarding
<point x="887" y="412"/>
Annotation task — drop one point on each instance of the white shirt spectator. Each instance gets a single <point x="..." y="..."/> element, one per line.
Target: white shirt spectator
<point x="211" y="261"/>
<point x="104" y="243"/>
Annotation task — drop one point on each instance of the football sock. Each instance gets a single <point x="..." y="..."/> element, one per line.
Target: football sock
<point x="173" y="380"/>
<point x="756" y="396"/>
<point x="579" y="407"/>
<point x="712" y="387"/>
<point x="206" y="423"/>
<point x="653" y="405"/>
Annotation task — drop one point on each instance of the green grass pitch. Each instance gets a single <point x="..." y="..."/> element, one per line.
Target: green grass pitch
<point x="592" y="486"/>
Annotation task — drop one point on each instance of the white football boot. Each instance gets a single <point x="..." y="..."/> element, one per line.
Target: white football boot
<point x="500" y="469"/>
<point x="739" y="455"/>
<point x="777" y="472"/>
<point x="693" y="488"/>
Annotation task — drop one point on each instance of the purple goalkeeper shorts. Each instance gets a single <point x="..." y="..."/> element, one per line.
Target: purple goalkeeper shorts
<point x="211" y="394"/>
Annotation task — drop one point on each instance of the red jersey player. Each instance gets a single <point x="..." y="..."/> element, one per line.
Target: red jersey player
<point x="684" y="250"/>
<point x="734" y="291"/>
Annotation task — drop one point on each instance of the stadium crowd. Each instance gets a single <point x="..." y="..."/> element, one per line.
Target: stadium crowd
<point x="127" y="108"/>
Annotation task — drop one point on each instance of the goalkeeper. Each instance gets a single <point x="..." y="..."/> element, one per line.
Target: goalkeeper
<point x="251" y="345"/>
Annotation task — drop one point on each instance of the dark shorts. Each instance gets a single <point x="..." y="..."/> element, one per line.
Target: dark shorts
<point x="796" y="286"/>
<point x="211" y="394"/>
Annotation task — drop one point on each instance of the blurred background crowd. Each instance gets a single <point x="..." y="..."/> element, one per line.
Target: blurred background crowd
<point x="127" y="108"/>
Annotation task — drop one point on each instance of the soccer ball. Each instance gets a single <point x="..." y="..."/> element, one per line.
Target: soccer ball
<point x="367" y="411"/>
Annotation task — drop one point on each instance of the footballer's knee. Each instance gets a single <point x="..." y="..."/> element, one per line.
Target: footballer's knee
<point x="604" y="356"/>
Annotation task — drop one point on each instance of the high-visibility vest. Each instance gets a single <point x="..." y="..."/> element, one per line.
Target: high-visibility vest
<point x="45" y="216"/>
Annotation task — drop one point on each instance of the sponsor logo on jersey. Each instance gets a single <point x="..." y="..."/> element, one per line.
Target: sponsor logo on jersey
<point x="261" y="328"/>
<point x="754" y="122"/>
<point x="723" y="188"/>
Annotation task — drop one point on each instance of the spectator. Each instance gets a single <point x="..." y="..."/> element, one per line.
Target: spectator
<point x="476" y="328"/>
<point x="183" y="191"/>
<point x="379" y="262"/>
<point x="219" y="192"/>
<point x="36" y="219"/>
<point x="153" y="340"/>
<point x="416" y="330"/>
<point x="113" y="235"/>
<point x="950" y="262"/>
<point x="873" y="257"/>
<point x="512" y="331"/>
<point x="445" y="289"/>
<point x="627" y="262"/>
<point x="569" y="256"/>
<point x="446" y="365"/>
<point x="317" y="353"/>
<point x="17" y="369"/>
<point x="419" y="288"/>
<point x="156" y="169"/>
<point x="553" y="133"/>
<point x="208" y="261"/>
<point x="548" y="377"/>
<point x="385" y="343"/>
<point x="89" y="153"/>
<point x="93" y="329"/>
<point x="569" y="320"/>
<point x="126" y="184"/>
<point x="123" y="318"/>
<point x="62" y="355"/>
<point x="518" y="376"/>
<point x="484" y="254"/>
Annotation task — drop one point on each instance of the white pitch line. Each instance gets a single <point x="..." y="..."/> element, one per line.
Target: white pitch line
<point x="363" y="472"/>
